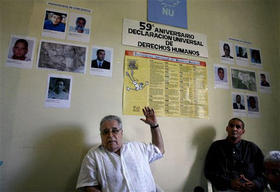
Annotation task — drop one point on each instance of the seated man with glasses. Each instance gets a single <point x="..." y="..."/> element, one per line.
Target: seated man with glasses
<point x="234" y="164"/>
<point x="117" y="166"/>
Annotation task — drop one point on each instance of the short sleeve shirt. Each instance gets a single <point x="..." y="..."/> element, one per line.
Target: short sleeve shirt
<point x="128" y="172"/>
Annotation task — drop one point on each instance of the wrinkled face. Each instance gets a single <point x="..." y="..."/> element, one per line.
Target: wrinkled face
<point x="235" y="129"/>
<point x="111" y="135"/>
<point x="56" y="19"/>
<point x="272" y="173"/>
<point x="221" y="74"/>
<point x="19" y="51"/>
<point x="226" y="50"/>
<point x="101" y="55"/>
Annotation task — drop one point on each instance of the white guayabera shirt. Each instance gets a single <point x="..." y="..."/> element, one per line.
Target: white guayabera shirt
<point x="129" y="172"/>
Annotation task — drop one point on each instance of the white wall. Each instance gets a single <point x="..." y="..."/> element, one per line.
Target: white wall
<point x="42" y="148"/>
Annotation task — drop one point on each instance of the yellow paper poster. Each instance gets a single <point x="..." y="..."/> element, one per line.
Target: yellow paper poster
<point x="174" y="87"/>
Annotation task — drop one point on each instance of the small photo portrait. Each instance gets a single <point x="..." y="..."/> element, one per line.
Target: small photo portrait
<point x="101" y="58"/>
<point x="79" y="27"/>
<point x="55" y="24"/>
<point x="255" y="56"/>
<point x="58" y="93"/>
<point x="21" y="52"/>
<point x="264" y="80"/>
<point x="59" y="88"/>
<point x="62" y="56"/>
<point x="252" y="103"/>
<point x="226" y="50"/>
<point x="221" y="73"/>
<point x="238" y="101"/>
<point x="101" y="61"/>
<point x="55" y="21"/>
<point x="241" y="52"/>
<point x="242" y="79"/>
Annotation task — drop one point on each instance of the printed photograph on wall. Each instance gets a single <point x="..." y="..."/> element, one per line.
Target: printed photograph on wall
<point x="62" y="57"/>
<point x="226" y="52"/>
<point x="21" y="52"/>
<point x="221" y="76"/>
<point x="264" y="82"/>
<point x="243" y="79"/>
<point x="253" y="105"/>
<point x="58" y="93"/>
<point x="256" y="57"/>
<point x="241" y="55"/>
<point x="54" y="24"/>
<point x="239" y="104"/>
<point x="101" y="61"/>
<point x="79" y="27"/>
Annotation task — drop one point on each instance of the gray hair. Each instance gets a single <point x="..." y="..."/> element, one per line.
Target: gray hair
<point x="272" y="156"/>
<point x="110" y="118"/>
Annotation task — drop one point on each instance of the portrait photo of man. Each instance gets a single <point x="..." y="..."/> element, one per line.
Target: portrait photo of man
<point x="253" y="104"/>
<point x="59" y="88"/>
<point x="55" y="21"/>
<point x="241" y="52"/>
<point x="20" y="49"/>
<point x="80" y="24"/>
<point x="100" y="61"/>
<point x="221" y="73"/>
<point x="264" y="82"/>
<point x="255" y="56"/>
<point x="238" y="102"/>
<point x="226" y="53"/>
<point x="21" y="52"/>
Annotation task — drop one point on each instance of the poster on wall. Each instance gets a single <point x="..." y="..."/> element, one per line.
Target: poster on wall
<point x="79" y="27"/>
<point x="174" y="87"/>
<point x="221" y="77"/>
<point x="241" y="55"/>
<point x="264" y="82"/>
<point x="243" y="79"/>
<point x="58" y="92"/>
<point x="226" y="52"/>
<point x="158" y="37"/>
<point x="256" y="60"/>
<point x="60" y="56"/>
<point x="54" y="24"/>
<point x="253" y="105"/>
<point x="168" y="12"/>
<point x="21" y="52"/>
<point x="101" y="61"/>
<point x="239" y="104"/>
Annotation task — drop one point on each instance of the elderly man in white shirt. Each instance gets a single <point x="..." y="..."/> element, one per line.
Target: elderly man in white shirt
<point x="121" y="167"/>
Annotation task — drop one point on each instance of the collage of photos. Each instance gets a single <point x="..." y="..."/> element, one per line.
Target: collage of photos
<point x="241" y="55"/>
<point x="61" y="55"/>
<point x="242" y="79"/>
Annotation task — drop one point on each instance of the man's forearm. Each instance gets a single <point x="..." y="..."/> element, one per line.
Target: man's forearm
<point x="157" y="139"/>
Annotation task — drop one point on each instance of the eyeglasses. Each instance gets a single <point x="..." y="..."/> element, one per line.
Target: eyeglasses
<point x="231" y="125"/>
<point x="114" y="131"/>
